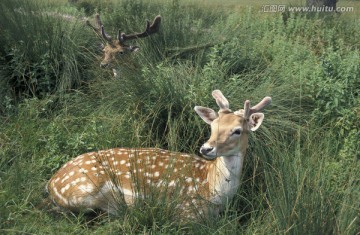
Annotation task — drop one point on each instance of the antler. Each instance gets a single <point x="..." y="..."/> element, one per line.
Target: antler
<point x="221" y="101"/>
<point x="99" y="28"/>
<point x="150" y="29"/>
<point x="262" y="104"/>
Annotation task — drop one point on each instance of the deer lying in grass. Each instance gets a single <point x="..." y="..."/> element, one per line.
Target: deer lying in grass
<point x="117" y="48"/>
<point x="105" y="179"/>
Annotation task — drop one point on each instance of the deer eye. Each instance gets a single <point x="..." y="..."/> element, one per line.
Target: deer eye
<point x="236" y="132"/>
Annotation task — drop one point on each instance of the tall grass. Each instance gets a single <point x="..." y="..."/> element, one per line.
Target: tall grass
<point x="300" y="172"/>
<point x="43" y="52"/>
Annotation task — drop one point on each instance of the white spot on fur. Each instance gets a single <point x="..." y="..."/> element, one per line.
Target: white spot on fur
<point x="82" y="170"/>
<point x="86" y="188"/>
<point x="65" y="178"/>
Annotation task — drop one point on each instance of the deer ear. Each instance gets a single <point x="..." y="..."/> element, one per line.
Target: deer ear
<point x="207" y="114"/>
<point x="255" y="120"/>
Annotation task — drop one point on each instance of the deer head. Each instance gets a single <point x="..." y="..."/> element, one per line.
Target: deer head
<point x="115" y="48"/>
<point x="229" y="130"/>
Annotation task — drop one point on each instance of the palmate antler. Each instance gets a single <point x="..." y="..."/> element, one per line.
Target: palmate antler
<point x="223" y="104"/>
<point x="99" y="28"/>
<point x="151" y="28"/>
<point x="221" y="101"/>
<point x="250" y="110"/>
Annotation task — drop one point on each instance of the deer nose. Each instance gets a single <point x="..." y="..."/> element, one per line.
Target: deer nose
<point x="104" y="65"/>
<point x="206" y="149"/>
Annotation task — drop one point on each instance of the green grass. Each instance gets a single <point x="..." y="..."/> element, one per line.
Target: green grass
<point x="300" y="173"/>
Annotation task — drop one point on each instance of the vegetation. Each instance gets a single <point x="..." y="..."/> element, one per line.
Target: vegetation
<point x="301" y="171"/>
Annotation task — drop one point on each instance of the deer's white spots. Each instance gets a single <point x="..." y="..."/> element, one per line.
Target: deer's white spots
<point x="153" y="166"/>
<point x="83" y="179"/>
<point x="175" y="170"/>
<point x="71" y="173"/>
<point x="86" y="188"/>
<point x="172" y="183"/>
<point x="115" y="163"/>
<point x="63" y="189"/>
<point x="65" y="178"/>
<point x="82" y="170"/>
<point x="128" y="164"/>
<point x="147" y="174"/>
<point x="93" y="168"/>
<point x="102" y="172"/>
<point x="88" y="162"/>
<point x="78" y="162"/>
<point x="160" y="163"/>
<point x="57" y="179"/>
<point x="157" y="174"/>
<point x="122" y="162"/>
<point x="104" y="163"/>
<point x="188" y="179"/>
<point x="127" y="176"/>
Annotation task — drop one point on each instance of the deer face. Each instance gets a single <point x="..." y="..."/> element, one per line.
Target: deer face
<point x="229" y="134"/>
<point x="229" y="130"/>
<point x="116" y="52"/>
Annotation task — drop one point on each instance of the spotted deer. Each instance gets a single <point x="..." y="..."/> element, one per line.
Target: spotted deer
<point x="117" y="48"/>
<point x="105" y="179"/>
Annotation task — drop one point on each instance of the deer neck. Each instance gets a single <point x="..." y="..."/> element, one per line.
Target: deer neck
<point x="224" y="177"/>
